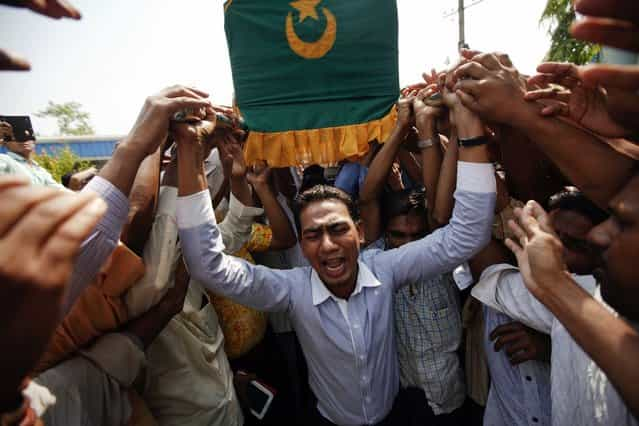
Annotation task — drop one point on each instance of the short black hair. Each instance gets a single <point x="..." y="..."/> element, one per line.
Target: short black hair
<point x="321" y="193"/>
<point x="66" y="179"/>
<point x="570" y="198"/>
<point x="400" y="203"/>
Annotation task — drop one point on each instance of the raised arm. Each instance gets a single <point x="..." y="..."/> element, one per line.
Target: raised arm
<point x="203" y="250"/>
<point x="283" y="234"/>
<point x="608" y="339"/>
<point x="470" y="226"/>
<point x="378" y="173"/>
<point x="496" y="92"/>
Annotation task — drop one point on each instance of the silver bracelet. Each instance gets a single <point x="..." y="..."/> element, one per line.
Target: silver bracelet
<point x="427" y="143"/>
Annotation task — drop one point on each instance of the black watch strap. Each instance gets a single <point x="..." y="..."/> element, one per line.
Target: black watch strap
<point x="470" y="142"/>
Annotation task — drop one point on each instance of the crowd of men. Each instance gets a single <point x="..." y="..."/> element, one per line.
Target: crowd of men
<point x="474" y="268"/>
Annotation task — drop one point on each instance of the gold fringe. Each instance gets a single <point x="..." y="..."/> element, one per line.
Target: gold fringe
<point x="317" y="146"/>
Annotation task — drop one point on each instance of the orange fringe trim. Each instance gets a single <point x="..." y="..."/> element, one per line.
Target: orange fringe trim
<point x="317" y="146"/>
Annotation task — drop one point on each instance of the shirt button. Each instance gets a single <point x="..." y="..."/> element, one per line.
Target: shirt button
<point x="364" y="378"/>
<point x="535" y="419"/>
<point x="368" y="399"/>
<point x="362" y="357"/>
<point x="529" y="378"/>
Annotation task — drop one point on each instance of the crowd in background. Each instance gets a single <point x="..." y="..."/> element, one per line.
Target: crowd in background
<point x="474" y="268"/>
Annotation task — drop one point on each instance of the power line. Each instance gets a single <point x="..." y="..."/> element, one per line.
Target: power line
<point x="455" y="11"/>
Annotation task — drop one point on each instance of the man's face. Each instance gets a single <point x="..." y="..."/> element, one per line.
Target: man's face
<point x="330" y="241"/>
<point x="572" y="227"/>
<point x="24" y="149"/>
<point x="619" y="238"/>
<point x="404" y="229"/>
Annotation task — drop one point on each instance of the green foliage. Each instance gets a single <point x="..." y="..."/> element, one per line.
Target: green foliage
<point x="61" y="162"/>
<point x="72" y="121"/>
<point x="559" y="15"/>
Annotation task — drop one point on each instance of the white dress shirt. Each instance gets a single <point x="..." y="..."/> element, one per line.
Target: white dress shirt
<point x="581" y="393"/>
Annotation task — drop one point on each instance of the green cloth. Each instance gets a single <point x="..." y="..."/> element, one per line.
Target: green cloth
<point x="14" y="164"/>
<point x="355" y="82"/>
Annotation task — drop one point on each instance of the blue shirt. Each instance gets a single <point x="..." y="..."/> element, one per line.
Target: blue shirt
<point x="519" y="394"/>
<point x="351" y="353"/>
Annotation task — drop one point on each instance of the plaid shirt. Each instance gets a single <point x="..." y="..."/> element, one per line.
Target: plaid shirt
<point x="429" y="331"/>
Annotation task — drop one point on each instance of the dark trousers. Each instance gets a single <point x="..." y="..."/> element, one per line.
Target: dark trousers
<point x="392" y="419"/>
<point x="415" y="411"/>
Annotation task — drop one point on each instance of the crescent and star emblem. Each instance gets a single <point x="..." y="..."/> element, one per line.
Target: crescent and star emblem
<point x="316" y="49"/>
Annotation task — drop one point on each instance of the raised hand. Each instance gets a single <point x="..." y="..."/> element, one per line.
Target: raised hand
<point x="405" y="114"/>
<point x="55" y="9"/>
<point x="537" y="247"/>
<point x="41" y="231"/>
<point x="489" y="86"/>
<point x="585" y="105"/>
<point x="259" y="176"/>
<point x="232" y="158"/>
<point x="611" y="22"/>
<point x="152" y="125"/>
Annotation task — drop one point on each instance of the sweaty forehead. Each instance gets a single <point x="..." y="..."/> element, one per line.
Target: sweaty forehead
<point x="322" y="213"/>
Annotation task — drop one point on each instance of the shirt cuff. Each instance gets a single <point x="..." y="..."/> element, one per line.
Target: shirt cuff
<point x="118" y="204"/>
<point x="167" y="202"/>
<point x="241" y="211"/>
<point x="195" y="210"/>
<point x="476" y="177"/>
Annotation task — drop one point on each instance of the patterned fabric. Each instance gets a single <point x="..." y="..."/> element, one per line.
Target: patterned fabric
<point x="429" y="331"/>
<point x="243" y="327"/>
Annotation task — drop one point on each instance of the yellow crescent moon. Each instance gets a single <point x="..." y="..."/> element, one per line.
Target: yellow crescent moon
<point x="316" y="49"/>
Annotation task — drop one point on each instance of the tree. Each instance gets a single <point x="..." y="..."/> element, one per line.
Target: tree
<point x="61" y="162"/>
<point x="559" y="15"/>
<point x="72" y="121"/>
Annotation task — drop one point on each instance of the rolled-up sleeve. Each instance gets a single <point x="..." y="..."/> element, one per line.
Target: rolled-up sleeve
<point x="97" y="248"/>
<point x="466" y="234"/>
<point x="203" y="250"/>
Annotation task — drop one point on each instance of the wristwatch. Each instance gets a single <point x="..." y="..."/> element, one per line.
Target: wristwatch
<point x="470" y="142"/>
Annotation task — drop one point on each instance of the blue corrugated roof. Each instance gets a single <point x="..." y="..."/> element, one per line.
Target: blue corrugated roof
<point x="100" y="149"/>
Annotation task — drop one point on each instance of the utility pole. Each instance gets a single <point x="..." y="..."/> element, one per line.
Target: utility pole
<point x="462" y="32"/>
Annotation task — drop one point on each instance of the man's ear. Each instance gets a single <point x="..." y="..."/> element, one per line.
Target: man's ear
<point x="360" y="231"/>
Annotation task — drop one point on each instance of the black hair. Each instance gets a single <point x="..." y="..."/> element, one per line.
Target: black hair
<point x="400" y="203"/>
<point x="66" y="179"/>
<point x="313" y="175"/>
<point x="570" y="198"/>
<point x="321" y="193"/>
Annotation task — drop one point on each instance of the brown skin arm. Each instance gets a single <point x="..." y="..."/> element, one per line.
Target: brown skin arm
<point x="609" y="340"/>
<point x="41" y="232"/>
<point x="148" y="133"/>
<point x="494" y="253"/>
<point x="446" y="184"/>
<point x="375" y="180"/>
<point x="283" y="234"/>
<point x="496" y="93"/>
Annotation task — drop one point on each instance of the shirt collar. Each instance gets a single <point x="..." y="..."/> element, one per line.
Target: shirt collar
<point x="17" y="157"/>
<point x="320" y="293"/>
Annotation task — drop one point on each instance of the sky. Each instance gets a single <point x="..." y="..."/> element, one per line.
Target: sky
<point x="123" y="50"/>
